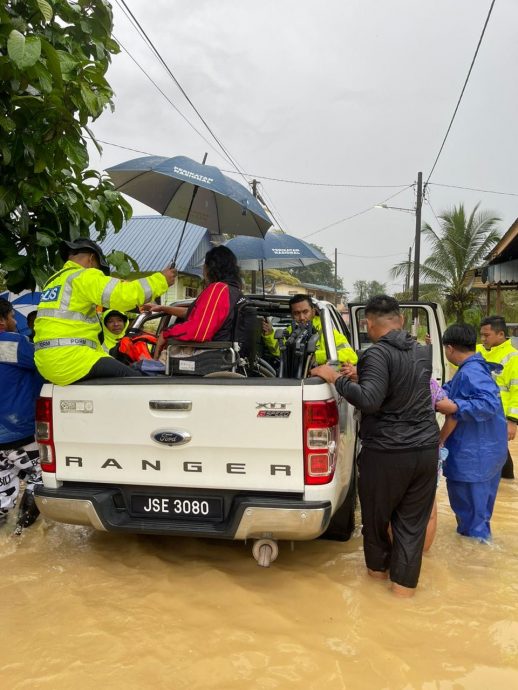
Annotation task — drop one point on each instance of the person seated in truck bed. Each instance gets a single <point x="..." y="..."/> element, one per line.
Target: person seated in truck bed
<point x="211" y="316"/>
<point x="302" y="312"/>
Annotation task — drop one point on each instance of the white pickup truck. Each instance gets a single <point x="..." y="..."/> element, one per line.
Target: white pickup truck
<point x="257" y="457"/>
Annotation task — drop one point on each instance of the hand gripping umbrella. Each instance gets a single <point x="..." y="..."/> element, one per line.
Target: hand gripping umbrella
<point x="201" y="194"/>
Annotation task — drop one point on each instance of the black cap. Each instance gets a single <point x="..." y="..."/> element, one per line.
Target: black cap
<point x="84" y="244"/>
<point x="114" y="312"/>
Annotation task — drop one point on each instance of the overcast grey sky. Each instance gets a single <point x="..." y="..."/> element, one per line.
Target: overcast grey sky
<point x="342" y="91"/>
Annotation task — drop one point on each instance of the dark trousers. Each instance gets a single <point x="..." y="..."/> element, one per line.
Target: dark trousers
<point x="106" y="367"/>
<point x="508" y="468"/>
<point x="396" y="488"/>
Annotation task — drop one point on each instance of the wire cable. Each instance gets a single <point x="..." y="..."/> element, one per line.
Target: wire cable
<point x="355" y="215"/>
<point x="168" y="100"/>
<point x="463" y="89"/>
<point x="473" y="189"/>
<point x="150" y="43"/>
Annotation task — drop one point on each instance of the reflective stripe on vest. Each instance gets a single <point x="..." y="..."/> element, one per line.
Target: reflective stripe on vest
<point x="66" y="342"/>
<point x="107" y="292"/>
<point x="505" y="359"/>
<point x="64" y="311"/>
<point x="67" y="314"/>
<point x="148" y="292"/>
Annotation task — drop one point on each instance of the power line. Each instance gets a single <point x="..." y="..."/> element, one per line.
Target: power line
<point x="463" y="89"/>
<point x="355" y="215"/>
<point x="378" y="256"/>
<point x="150" y="44"/>
<point x="167" y="99"/>
<point x="473" y="189"/>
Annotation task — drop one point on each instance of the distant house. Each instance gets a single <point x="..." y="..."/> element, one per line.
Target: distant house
<point x="152" y="241"/>
<point x="320" y="292"/>
<point x="500" y="272"/>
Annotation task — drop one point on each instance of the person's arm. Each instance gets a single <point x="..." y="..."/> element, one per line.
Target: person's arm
<point x="122" y="295"/>
<point x="510" y="376"/>
<point x="344" y="351"/>
<point x="371" y="390"/>
<point x="447" y="428"/>
<point x="179" y="312"/>
<point x="475" y="399"/>
<point x="25" y="354"/>
<point x="159" y="345"/>
<point x="208" y="315"/>
<point x="269" y="339"/>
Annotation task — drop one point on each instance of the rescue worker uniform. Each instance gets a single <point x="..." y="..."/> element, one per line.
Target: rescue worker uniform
<point x="507" y="382"/>
<point x="67" y="325"/>
<point x="110" y="339"/>
<point x="477" y="446"/>
<point x="344" y="351"/>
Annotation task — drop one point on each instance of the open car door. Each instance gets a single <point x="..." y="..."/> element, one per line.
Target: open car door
<point x="420" y="319"/>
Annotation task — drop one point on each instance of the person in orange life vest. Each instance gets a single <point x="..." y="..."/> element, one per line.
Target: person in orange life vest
<point x="211" y="316"/>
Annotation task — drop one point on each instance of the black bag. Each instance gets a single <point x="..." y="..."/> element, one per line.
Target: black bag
<point x="202" y="363"/>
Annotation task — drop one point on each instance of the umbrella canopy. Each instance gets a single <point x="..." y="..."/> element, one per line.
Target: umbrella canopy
<point x="276" y="250"/>
<point x="23" y="303"/>
<point x="219" y="203"/>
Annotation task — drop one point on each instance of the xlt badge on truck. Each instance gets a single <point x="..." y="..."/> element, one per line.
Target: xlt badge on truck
<point x="273" y="409"/>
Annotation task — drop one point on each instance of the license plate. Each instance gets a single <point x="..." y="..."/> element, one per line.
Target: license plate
<point x="182" y="507"/>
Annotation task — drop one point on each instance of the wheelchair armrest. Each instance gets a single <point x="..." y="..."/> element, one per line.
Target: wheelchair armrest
<point x="208" y="345"/>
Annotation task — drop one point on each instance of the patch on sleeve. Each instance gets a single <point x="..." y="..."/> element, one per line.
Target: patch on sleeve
<point x="9" y="351"/>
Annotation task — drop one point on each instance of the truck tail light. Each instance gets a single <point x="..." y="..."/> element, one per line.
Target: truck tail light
<point x="45" y="434"/>
<point x="321" y="437"/>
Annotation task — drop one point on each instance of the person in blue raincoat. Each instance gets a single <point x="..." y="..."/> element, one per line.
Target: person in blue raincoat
<point x="478" y="443"/>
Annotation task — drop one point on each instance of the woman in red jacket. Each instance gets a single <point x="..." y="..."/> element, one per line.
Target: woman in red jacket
<point x="211" y="316"/>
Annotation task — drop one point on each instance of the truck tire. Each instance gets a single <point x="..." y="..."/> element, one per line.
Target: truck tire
<point x="342" y="523"/>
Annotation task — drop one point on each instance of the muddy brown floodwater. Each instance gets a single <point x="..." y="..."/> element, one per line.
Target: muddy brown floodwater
<point x="81" y="609"/>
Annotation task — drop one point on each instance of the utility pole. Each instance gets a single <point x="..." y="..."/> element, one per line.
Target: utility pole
<point x="417" y="245"/>
<point x="336" y="277"/>
<point x="408" y="269"/>
<point x="253" y="287"/>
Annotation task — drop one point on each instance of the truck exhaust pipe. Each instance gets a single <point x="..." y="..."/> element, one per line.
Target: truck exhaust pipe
<point x="265" y="552"/>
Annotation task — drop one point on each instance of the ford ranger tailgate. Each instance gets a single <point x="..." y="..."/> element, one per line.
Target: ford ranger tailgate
<point x="243" y="434"/>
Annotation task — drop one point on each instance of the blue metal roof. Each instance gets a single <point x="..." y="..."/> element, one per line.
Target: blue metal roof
<point x="324" y="288"/>
<point x="152" y="242"/>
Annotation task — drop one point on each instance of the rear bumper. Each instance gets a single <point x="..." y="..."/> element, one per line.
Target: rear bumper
<point x="104" y="508"/>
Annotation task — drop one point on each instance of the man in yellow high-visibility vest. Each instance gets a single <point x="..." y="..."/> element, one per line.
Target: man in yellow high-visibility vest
<point x="67" y="326"/>
<point x="497" y="347"/>
<point x="302" y="311"/>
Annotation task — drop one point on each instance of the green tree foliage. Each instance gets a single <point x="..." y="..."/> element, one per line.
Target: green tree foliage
<point x="365" y="289"/>
<point x="322" y="273"/>
<point x="53" y="58"/>
<point x="460" y="245"/>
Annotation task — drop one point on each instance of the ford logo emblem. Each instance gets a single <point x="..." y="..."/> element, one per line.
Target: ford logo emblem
<point x="169" y="437"/>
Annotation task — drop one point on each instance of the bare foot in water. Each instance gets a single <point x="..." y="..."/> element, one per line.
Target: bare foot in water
<point x="378" y="574"/>
<point x="403" y="592"/>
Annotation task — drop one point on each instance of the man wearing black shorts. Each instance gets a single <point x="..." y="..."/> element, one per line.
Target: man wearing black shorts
<point x="400" y="439"/>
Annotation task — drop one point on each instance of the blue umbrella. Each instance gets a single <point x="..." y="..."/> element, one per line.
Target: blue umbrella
<point x="276" y="250"/>
<point x="182" y="188"/>
<point x="23" y="303"/>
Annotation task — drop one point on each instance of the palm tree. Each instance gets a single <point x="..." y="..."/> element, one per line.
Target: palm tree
<point x="460" y="245"/>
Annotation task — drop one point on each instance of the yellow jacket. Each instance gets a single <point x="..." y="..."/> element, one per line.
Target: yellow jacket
<point x="507" y="381"/>
<point x="343" y="349"/>
<point x="67" y="326"/>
